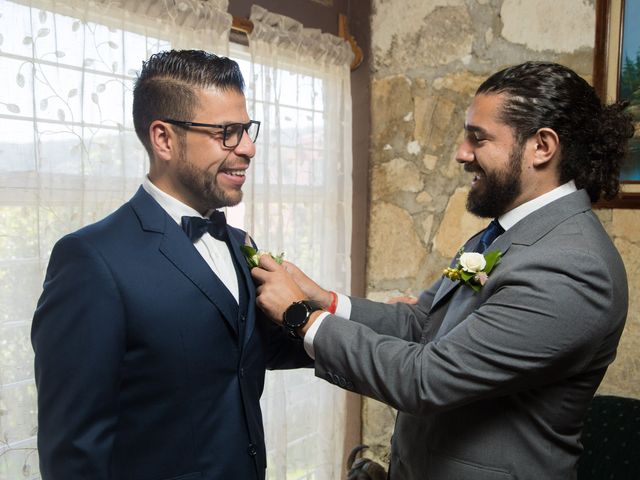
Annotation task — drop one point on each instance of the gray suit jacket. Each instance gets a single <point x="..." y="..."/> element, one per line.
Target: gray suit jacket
<point x="494" y="384"/>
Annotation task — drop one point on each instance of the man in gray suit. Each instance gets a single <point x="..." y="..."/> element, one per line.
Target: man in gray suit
<point x="492" y="374"/>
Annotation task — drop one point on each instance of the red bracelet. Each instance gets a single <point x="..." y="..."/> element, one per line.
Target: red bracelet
<point x="334" y="303"/>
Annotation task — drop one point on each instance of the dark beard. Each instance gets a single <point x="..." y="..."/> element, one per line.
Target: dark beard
<point x="203" y="187"/>
<point x="500" y="189"/>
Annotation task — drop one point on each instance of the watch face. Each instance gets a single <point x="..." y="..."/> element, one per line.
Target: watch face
<point x="296" y="315"/>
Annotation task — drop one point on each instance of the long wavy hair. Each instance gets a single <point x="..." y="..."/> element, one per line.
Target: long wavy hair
<point x="593" y="137"/>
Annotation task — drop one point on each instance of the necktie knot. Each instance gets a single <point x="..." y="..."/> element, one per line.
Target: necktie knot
<point x="493" y="231"/>
<point x="196" y="227"/>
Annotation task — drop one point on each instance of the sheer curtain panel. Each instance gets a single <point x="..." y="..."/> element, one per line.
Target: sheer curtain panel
<point x="68" y="153"/>
<point x="299" y="202"/>
<point x="69" y="156"/>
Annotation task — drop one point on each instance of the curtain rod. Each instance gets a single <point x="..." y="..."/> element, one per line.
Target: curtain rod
<point x="242" y="25"/>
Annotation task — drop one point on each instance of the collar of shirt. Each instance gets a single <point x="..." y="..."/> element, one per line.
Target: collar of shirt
<point x="512" y="217"/>
<point x="174" y="207"/>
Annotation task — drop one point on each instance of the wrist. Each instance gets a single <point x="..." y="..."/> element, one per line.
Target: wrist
<point x="328" y="299"/>
<point x="305" y="328"/>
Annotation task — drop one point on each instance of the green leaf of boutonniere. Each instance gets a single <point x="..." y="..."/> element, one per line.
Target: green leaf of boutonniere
<point x="492" y="258"/>
<point x="253" y="255"/>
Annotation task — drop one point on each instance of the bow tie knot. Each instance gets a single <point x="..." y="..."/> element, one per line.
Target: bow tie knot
<point x="196" y="227"/>
<point x="493" y="231"/>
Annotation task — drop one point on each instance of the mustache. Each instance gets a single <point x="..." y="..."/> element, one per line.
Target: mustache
<point x="241" y="163"/>
<point x="472" y="168"/>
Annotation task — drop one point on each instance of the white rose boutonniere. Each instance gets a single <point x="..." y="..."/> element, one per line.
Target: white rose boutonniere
<point x="472" y="262"/>
<point x="473" y="268"/>
<point x="252" y="255"/>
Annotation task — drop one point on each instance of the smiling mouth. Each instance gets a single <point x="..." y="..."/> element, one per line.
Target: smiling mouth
<point x="477" y="175"/>
<point x="235" y="173"/>
<point x="237" y="170"/>
<point x="233" y="177"/>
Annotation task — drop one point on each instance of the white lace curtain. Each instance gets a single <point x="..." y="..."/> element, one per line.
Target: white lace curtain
<point x="69" y="156"/>
<point x="68" y="153"/>
<point x="299" y="202"/>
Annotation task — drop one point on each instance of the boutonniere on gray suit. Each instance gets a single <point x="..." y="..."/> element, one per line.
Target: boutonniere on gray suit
<point x="473" y="268"/>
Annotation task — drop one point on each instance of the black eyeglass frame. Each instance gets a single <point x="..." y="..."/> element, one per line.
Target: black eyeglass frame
<point x="225" y="136"/>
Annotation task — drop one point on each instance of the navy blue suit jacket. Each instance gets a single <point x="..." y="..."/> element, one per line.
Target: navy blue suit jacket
<point x="146" y="366"/>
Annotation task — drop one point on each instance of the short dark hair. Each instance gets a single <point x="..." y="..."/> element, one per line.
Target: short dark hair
<point x="593" y="137"/>
<point x="167" y="84"/>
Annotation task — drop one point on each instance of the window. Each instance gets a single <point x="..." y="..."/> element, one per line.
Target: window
<point x="69" y="156"/>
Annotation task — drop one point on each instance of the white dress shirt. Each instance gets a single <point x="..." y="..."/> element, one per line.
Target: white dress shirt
<point x="215" y="252"/>
<point x="507" y="221"/>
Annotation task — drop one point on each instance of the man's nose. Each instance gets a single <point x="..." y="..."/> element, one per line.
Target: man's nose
<point x="464" y="153"/>
<point x="246" y="147"/>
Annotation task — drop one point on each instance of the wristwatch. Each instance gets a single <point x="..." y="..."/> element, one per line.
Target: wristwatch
<point x="297" y="315"/>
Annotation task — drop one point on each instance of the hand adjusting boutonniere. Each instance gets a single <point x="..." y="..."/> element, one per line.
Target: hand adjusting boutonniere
<point x="252" y="255"/>
<point x="473" y="268"/>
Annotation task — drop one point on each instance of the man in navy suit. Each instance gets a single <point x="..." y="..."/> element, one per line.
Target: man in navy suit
<point x="150" y="355"/>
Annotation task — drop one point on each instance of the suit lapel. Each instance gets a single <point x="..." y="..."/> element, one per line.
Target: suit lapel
<point x="177" y="248"/>
<point x="448" y="286"/>
<point x="181" y="252"/>
<point x="461" y="302"/>
<point x="244" y="278"/>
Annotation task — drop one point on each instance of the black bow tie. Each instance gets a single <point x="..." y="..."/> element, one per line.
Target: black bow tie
<point x="493" y="231"/>
<point x="195" y="227"/>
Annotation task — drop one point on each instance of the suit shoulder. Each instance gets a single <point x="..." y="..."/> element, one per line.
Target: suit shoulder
<point x="110" y="229"/>
<point x="584" y="232"/>
<point x="102" y="227"/>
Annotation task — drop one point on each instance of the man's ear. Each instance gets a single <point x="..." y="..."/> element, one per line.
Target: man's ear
<point x="546" y="145"/>
<point x="163" y="141"/>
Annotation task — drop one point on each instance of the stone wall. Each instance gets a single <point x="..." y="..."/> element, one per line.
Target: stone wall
<point x="429" y="56"/>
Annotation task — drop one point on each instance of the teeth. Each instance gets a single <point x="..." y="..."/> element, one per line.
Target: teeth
<point x="238" y="173"/>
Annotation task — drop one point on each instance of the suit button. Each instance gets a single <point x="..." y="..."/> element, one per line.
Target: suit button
<point x="252" y="450"/>
<point x="241" y="372"/>
<point x="243" y="318"/>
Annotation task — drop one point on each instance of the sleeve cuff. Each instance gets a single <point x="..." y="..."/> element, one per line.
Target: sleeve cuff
<point x="311" y="334"/>
<point x="343" y="309"/>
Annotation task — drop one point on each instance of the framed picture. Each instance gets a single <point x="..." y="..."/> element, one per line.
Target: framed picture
<point x="616" y="76"/>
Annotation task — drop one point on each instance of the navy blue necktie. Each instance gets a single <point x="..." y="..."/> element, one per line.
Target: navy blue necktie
<point x="493" y="231"/>
<point x="216" y="225"/>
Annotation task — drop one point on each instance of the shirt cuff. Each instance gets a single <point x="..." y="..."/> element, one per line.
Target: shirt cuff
<point x="311" y="334"/>
<point x="343" y="308"/>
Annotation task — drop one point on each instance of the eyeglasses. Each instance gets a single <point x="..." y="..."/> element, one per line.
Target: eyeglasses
<point x="231" y="132"/>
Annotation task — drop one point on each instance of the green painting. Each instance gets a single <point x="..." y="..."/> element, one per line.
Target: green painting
<point x="629" y="86"/>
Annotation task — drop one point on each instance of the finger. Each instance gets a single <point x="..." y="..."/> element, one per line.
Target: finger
<point x="268" y="263"/>
<point x="288" y="266"/>
<point x="291" y="268"/>
<point x="403" y="299"/>
<point x="259" y="275"/>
